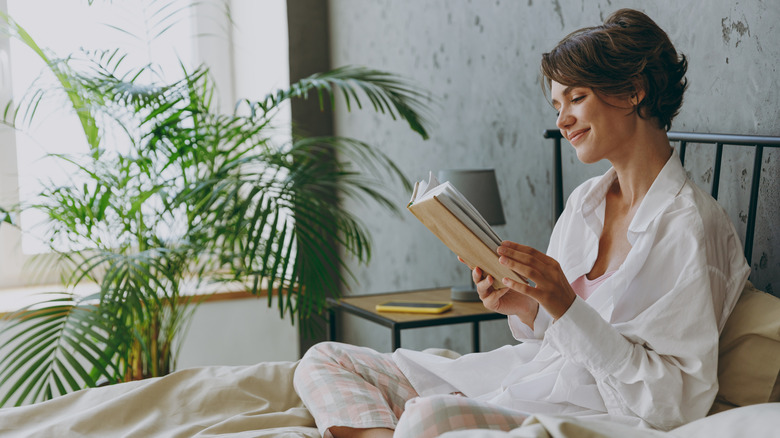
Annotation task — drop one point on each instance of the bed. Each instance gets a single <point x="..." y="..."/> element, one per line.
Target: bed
<point x="256" y="401"/>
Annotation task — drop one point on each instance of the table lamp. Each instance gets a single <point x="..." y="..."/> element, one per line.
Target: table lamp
<point x="480" y="187"/>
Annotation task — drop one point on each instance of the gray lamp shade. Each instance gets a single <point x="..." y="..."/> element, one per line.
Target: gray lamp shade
<point x="480" y="187"/>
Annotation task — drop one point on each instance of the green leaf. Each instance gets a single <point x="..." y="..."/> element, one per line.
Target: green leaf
<point x="197" y="194"/>
<point x="6" y="217"/>
<point x="385" y="91"/>
<point x="41" y="337"/>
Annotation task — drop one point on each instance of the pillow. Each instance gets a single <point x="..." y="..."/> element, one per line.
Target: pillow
<point x="749" y="356"/>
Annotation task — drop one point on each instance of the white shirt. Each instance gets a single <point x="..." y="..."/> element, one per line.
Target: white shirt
<point x="643" y="349"/>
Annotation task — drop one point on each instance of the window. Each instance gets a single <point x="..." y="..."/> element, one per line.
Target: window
<point x="246" y="61"/>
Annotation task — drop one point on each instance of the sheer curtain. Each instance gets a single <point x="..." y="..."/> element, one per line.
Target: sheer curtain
<point x="244" y="43"/>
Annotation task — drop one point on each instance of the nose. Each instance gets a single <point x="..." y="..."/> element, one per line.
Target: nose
<point x="565" y="118"/>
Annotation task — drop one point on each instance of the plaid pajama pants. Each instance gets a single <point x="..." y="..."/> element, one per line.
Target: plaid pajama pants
<point x="346" y="385"/>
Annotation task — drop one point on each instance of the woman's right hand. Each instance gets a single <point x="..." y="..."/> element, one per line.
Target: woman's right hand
<point x="505" y="301"/>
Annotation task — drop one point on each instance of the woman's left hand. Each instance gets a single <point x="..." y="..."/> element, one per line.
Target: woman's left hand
<point x="552" y="290"/>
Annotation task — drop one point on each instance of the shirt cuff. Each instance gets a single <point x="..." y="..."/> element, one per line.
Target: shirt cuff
<point x="584" y="337"/>
<point x="522" y="332"/>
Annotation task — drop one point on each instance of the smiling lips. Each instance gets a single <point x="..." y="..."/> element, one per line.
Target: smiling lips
<point x="576" y="135"/>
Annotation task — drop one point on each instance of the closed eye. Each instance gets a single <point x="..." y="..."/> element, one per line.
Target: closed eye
<point x="576" y="99"/>
<point x="573" y="100"/>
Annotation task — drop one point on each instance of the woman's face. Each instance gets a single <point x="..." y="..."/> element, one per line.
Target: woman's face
<point x="598" y="127"/>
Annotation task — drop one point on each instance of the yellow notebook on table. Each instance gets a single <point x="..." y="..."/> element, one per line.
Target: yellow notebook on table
<point x="452" y="218"/>
<point x="414" y="306"/>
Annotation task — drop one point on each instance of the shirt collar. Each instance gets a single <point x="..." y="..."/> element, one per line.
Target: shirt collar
<point x="666" y="186"/>
<point x="592" y="206"/>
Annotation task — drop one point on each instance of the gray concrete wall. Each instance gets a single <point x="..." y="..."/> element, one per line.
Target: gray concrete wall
<point x="480" y="59"/>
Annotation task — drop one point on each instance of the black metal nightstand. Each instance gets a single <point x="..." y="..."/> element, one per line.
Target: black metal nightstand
<point x="364" y="306"/>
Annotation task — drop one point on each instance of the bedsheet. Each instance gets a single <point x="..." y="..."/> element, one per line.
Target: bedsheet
<point x="219" y="401"/>
<point x="257" y="401"/>
<point x="755" y="421"/>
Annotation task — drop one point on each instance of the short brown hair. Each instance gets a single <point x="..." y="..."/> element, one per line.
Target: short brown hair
<point x="628" y="52"/>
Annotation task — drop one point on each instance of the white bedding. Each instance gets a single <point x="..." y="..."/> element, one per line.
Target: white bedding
<point x="236" y="402"/>
<point x="756" y="421"/>
<point x="257" y="401"/>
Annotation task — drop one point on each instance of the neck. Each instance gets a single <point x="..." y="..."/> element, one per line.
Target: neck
<point x="639" y="165"/>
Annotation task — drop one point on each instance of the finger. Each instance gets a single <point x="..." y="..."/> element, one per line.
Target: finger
<point x="525" y="253"/>
<point x="476" y="275"/>
<point x="485" y="287"/>
<point x="512" y="284"/>
<point x="530" y="272"/>
<point x="525" y="289"/>
<point x="530" y="267"/>
<point x="555" y="304"/>
<point x="492" y="299"/>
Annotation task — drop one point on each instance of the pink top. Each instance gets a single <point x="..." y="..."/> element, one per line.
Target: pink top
<point x="585" y="288"/>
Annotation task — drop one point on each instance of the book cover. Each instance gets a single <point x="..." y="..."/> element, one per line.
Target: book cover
<point x="452" y="218"/>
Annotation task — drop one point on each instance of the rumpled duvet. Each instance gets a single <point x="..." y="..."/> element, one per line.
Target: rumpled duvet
<point x="258" y="401"/>
<point x="223" y="401"/>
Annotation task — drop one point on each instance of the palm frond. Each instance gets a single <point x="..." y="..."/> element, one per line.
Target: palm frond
<point x="55" y="347"/>
<point x="64" y="75"/>
<point x="387" y="93"/>
<point x="198" y="194"/>
<point x="7" y="217"/>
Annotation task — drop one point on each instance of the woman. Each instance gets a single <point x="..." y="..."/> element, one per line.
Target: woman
<point x="623" y="318"/>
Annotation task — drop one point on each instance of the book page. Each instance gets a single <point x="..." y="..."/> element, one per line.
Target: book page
<point x="458" y="205"/>
<point x="422" y="189"/>
<point x="459" y="225"/>
<point x="471" y="211"/>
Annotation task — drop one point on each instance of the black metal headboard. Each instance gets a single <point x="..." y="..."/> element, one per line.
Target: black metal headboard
<point x="684" y="138"/>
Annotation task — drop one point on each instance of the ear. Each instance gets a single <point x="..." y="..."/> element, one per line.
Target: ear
<point x="637" y="97"/>
<point x="639" y="93"/>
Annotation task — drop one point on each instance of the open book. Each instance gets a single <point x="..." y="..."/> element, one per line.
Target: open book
<point x="452" y="218"/>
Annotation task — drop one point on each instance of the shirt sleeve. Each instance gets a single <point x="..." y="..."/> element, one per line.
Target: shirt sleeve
<point x="555" y="249"/>
<point x="668" y="376"/>
<point x="523" y="333"/>
<point x="650" y="340"/>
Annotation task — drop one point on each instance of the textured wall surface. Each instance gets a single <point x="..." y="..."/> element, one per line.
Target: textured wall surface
<point x="480" y="60"/>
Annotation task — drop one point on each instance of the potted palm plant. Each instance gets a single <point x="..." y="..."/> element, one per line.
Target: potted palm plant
<point x="199" y="197"/>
